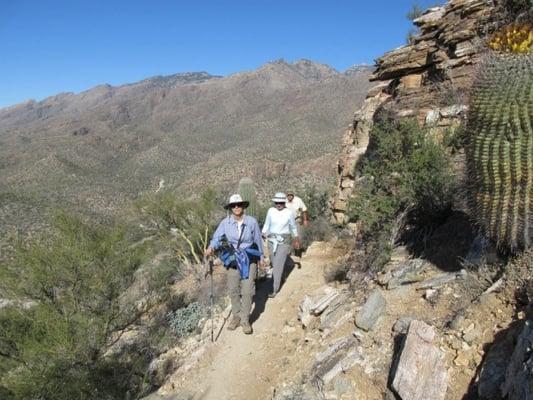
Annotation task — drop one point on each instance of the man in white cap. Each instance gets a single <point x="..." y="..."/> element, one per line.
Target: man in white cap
<point x="279" y="229"/>
<point x="242" y="232"/>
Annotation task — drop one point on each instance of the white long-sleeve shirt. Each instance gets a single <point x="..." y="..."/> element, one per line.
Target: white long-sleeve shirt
<point x="280" y="222"/>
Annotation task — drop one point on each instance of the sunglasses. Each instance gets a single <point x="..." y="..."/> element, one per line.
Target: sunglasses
<point x="279" y="203"/>
<point x="235" y="205"/>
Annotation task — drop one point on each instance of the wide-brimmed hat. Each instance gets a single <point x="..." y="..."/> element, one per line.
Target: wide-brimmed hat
<point x="279" y="198"/>
<point x="236" y="199"/>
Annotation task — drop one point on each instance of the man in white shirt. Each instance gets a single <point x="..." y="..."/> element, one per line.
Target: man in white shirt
<point x="279" y="229"/>
<point x="298" y="208"/>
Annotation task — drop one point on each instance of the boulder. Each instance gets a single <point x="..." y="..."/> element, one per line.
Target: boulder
<point x="371" y="311"/>
<point x="492" y="373"/>
<point x="421" y="371"/>
<point x="518" y="383"/>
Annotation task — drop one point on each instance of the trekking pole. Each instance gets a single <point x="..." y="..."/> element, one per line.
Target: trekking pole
<point x="210" y="272"/>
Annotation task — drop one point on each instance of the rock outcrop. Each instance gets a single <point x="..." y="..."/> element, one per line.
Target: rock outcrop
<point x="427" y="79"/>
<point x="518" y="376"/>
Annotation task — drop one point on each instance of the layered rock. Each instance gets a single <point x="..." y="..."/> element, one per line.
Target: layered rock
<point x="427" y="79"/>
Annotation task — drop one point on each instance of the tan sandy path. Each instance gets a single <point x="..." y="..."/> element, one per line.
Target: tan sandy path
<point x="249" y="367"/>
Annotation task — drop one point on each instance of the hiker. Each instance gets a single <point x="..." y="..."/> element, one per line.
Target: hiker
<point x="238" y="242"/>
<point x="298" y="208"/>
<point x="279" y="228"/>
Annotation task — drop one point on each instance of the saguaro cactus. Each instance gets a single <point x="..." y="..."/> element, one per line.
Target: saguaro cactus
<point x="500" y="153"/>
<point x="247" y="192"/>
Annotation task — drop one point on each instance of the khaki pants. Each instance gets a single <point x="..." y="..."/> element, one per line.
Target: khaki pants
<point x="241" y="291"/>
<point x="277" y="260"/>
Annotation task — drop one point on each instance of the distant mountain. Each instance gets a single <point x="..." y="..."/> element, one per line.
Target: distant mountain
<point x="358" y="70"/>
<point x="96" y="150"/>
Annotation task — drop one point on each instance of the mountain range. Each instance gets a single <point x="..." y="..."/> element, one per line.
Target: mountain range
<point x="96" y="150"/>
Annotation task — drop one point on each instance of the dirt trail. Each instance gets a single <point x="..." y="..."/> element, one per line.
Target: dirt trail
<point x="240" y="366"/>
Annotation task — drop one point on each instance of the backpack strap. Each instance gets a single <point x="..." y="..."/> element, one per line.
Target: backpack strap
<point x="240" y="235"/>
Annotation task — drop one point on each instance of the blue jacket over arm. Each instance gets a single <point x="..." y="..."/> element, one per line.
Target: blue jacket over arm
<point x="250" y="235"/>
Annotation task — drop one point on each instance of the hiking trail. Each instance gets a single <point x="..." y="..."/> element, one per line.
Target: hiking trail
<point x="239" y="366"/>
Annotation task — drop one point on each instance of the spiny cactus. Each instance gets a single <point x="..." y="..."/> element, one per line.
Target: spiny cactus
<point x="500" y="153"/>
<point x="247" y="192"/>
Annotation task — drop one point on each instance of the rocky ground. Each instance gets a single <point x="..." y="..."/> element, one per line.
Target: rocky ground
<point x="412" y="332"/>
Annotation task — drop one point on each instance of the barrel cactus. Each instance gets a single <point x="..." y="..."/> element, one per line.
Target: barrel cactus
<point x="500" y="153"/>
<point x="247" y="192"/>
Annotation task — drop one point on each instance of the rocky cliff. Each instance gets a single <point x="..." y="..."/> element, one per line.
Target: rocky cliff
<point x="487" y="338"/>
<point x="428" y="79"/>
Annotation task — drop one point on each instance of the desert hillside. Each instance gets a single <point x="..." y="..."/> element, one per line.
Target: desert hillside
<point x="96" y="150"/>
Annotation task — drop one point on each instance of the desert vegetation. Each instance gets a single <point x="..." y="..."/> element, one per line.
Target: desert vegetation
<point x="68" y="305"/>
<point x="405" y="184"/>
<point x="74" y="294"/>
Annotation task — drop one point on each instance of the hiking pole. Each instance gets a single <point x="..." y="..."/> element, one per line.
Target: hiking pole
<point x="210" y="272"/>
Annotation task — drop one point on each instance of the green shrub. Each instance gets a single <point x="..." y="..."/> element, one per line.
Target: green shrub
<point x="405" y="175"/>
<point x="184" y="321"/>
<point x="319" y="229"/>
<point x="70" y="287"/>
<point x="337" y="272"/>
<point x="316" y="201"/>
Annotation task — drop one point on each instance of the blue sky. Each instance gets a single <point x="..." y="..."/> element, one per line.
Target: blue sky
<point x="52" y="46"/>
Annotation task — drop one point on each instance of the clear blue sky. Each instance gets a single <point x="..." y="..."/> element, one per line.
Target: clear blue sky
<point x="52" y="46"/>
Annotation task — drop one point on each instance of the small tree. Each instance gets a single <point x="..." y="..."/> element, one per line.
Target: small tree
<point x="68" y="310"/>
<point x="185" y="225"/>
<point x="415" y="12"/>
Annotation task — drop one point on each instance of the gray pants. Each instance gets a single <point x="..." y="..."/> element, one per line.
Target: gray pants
<point x="277" y="260"/>
<point x="241" y="291"/>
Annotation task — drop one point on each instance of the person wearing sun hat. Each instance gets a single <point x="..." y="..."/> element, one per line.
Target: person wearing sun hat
<point x="242" y="232"/>
<point x="279" y="228"/>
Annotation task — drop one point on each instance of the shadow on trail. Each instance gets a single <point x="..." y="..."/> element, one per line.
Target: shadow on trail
<point x="264" y="287"/>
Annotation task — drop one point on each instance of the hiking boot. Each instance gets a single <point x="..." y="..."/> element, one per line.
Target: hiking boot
<point x="271" y="295"/>
<point x="246" y="328"/>
<point x="234" y="323"/>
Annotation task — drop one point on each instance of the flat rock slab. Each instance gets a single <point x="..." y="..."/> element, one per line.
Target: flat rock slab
<point x="371" y="311"/>
<point x="441" y="280"/>
<point x="397" y="274"/>
<point x="421" y="372"/>
<point x="339" y="356"/>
